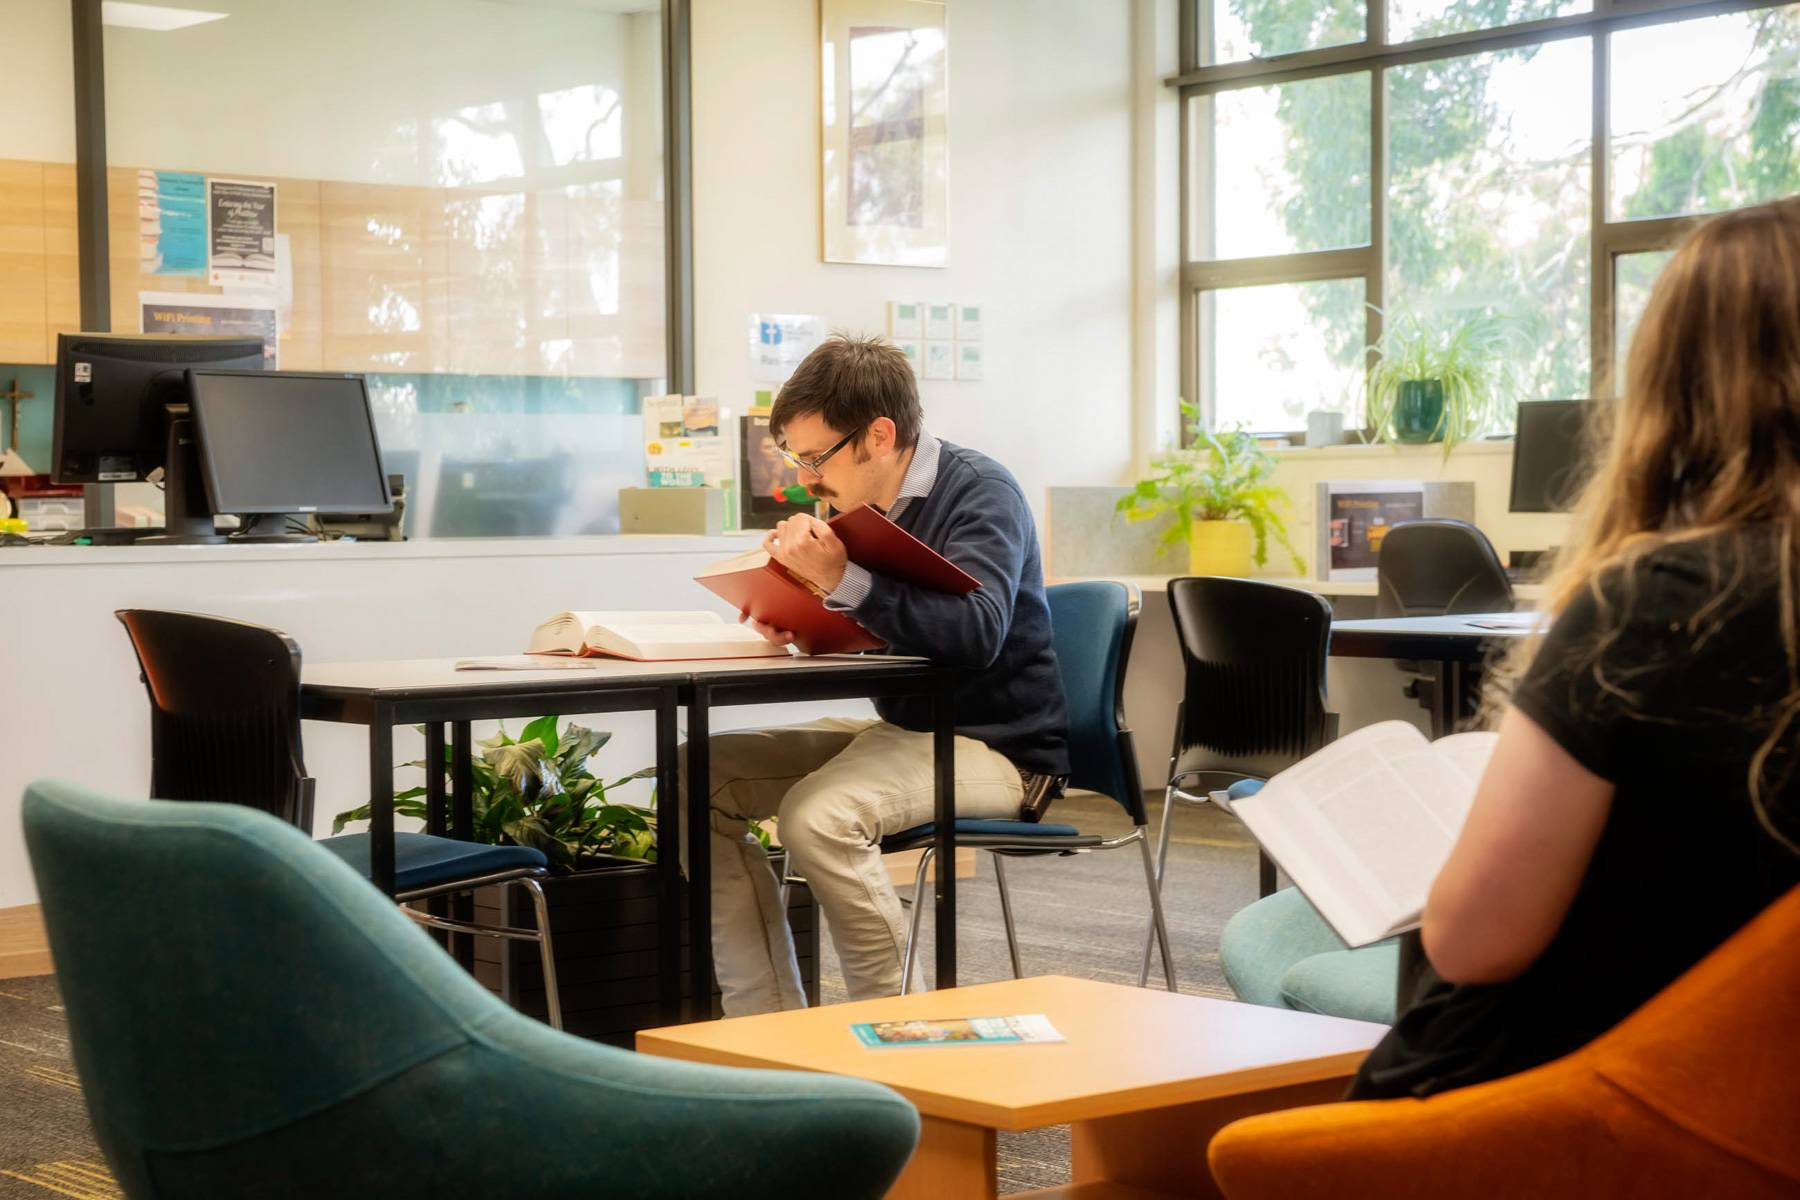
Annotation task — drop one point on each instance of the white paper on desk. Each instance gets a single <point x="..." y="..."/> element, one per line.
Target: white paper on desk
<point x="532" y="662"/>
<point x="859" y="656"/>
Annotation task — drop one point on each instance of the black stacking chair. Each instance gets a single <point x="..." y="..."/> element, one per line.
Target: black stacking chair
<point x="225" y="728"/>
<point x="1254" y="698"/>
<point x="1437" y="567"/>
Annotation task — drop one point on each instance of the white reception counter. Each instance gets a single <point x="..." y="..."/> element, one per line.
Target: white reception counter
<point x="75" y="709"/>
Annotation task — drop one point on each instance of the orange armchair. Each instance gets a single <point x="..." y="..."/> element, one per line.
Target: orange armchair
<point x="1695" y="1094"/>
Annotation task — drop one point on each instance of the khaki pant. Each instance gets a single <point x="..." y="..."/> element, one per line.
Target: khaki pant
<point x="837" y="787"/>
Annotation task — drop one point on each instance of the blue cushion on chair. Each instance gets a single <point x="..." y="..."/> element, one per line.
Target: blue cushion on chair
<point x="1359" y="984"/>
<point x="421" y="860"/>
<point x="990" y="828"/>
<point x="1243" y="788"/>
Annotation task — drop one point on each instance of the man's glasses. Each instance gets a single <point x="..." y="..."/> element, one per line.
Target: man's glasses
<point x="813" y="464"/>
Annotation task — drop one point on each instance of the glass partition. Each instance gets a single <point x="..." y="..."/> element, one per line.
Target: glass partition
<point x="461" y="199"/>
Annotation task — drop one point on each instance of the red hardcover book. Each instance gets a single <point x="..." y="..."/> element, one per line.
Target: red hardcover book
<point x="755" y="583"/>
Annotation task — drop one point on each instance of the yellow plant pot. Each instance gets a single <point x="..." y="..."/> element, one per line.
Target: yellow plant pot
<point x="1219" y="548"/>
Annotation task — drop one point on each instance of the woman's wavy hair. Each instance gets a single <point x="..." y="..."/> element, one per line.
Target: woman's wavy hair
<point x="1704" y="438"/>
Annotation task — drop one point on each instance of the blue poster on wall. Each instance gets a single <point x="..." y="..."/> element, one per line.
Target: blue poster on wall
<point x="171" y="223"/>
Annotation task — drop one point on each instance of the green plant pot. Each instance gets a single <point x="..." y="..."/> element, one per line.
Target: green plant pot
<point x="1419" y="411"/>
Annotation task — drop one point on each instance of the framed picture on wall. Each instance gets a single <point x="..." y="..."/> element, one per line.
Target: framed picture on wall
<point x="886" y="179"/>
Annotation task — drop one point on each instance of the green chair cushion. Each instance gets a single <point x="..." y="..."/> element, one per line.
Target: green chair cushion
<point x="250" y="1018"/>
<point x="1359" y="984"/>
<point x="1278" y="952"/>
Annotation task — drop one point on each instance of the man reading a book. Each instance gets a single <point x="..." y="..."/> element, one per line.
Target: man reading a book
<point x="849" y="420"/>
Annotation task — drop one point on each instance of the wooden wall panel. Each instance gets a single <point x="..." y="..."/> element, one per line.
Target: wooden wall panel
<point x="297" y="216"/>
<point x="382" y="259"/>
<point x="62" y="256"/>
<point x="23" y="313"/>
<point x="564" y="281"/>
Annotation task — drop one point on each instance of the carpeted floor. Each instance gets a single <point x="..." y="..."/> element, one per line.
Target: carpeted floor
<point x="1084" y="915"/>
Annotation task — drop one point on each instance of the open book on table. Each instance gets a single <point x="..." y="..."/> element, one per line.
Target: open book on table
<point x="643" y="636"/>
<point x="756" y="584"/>
<point x="1363" y="825"/>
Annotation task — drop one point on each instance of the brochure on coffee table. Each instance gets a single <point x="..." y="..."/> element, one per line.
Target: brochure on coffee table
<point x="958" y="1031"/>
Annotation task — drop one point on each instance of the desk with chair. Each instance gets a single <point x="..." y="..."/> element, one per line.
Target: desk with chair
<point x="383" y="695"/>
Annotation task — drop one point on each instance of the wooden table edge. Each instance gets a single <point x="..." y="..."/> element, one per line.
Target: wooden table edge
<point x="1057" y="1112"/>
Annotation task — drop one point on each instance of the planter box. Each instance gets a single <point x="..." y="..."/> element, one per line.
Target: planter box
<point x="603" y="929"/>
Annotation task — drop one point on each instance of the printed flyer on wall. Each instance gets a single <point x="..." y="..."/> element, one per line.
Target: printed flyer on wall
<point x="199" y="314"/>
<point x="958" y="1031"/>
<point x="1358" y="515"/>
<point x="171" y="223"/>
<point x="778" y="341"/>
<point x="240" y="233"/>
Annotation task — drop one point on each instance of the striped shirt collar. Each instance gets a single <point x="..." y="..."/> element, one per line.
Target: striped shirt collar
<point x="921" y="473"/>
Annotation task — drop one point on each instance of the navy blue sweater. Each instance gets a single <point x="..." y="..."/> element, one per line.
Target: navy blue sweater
<point x="976" y="516"/>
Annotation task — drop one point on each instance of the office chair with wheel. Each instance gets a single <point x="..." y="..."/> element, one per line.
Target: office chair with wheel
<point x="1438" y="567"/>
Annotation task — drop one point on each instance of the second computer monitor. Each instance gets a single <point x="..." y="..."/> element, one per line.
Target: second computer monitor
<point x="1550" y="459"/>
<point x="287" y="442"/>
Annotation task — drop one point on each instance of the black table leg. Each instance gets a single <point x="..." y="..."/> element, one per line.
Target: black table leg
<point x="668" y="863"/>
<point x="462" y="828"/>
<point x="381" y="798"/>
<point x="1443" y="698"/>
<point x="943" y="750"/>
<point x="699" y="855"/>
<point x="436" y="815"/>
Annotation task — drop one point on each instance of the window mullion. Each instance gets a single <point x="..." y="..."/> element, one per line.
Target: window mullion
<point x="1600" y="281"/>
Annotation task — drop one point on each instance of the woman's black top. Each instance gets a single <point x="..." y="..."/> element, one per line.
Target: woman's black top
<point x="1667" y="686"/>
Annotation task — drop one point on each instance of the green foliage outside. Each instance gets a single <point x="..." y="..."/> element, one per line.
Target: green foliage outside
<point x="1448" y="258"/>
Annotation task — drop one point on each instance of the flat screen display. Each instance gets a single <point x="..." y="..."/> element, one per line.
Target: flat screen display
<point x="287" y="442"/>
<point x="1550" y="462"/>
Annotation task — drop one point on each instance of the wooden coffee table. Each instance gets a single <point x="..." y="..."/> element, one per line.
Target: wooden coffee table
<point x="1145" y="1078"/>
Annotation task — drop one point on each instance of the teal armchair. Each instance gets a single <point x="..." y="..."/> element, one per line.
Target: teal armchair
<point x="250" y="1018"/>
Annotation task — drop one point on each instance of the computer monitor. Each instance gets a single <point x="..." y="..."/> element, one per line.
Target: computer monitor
<point x="112" y="394"/>
<point x="1550" y="461"/>
<point x="287" y="442"/>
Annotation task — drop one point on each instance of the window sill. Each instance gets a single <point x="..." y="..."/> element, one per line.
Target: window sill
<point x="1367" y="453"/>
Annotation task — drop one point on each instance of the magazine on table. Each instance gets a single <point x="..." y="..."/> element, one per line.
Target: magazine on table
<point x="958" y="1031"/>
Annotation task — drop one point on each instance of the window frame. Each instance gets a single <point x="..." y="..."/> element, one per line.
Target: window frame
<point x="1608" y="238"/>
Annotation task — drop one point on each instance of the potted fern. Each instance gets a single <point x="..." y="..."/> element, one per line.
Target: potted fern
<point x="1218" y="498"/>
<point x="1428" y="385"/>
<point x="537" y="790"/>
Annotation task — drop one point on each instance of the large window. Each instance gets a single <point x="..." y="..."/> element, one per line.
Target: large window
<point x="1348" y="163"/>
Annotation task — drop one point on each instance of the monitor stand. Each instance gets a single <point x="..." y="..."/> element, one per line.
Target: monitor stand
<point x="248" y="536"/>
<point x="187" y="514"/>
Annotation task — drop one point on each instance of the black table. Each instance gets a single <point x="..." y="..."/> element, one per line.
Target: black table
<point x="1451" y="644"/>
<point x="771" y="681"/>
<point x="432" y="692"/>
<point x="382" y="695"/>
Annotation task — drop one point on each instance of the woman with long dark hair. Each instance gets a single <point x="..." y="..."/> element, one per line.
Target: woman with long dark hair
<point x="1641" y="803"/>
